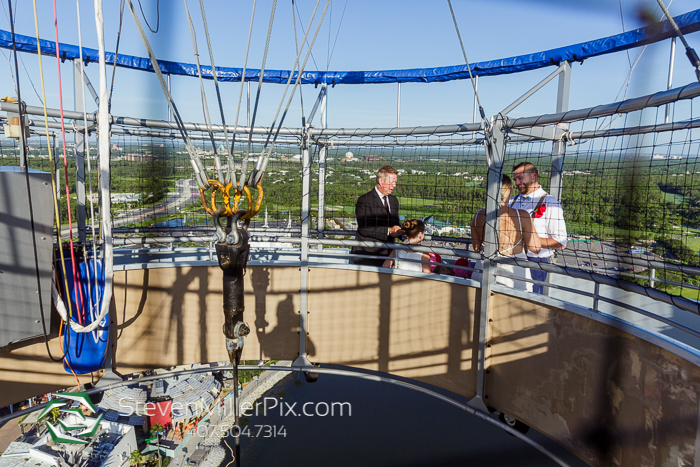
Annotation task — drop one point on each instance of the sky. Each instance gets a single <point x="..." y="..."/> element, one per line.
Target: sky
<point x="355" y="35"/>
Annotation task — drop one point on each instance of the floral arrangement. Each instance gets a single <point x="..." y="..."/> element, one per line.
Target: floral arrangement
<point x="539" y="212"/>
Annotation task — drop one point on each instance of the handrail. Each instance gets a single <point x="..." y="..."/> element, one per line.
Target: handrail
<point x="680" y="302"/>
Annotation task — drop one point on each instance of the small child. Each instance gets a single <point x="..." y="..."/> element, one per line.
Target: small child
<point x="463" y="273"/>
<point x="434" y="258"/>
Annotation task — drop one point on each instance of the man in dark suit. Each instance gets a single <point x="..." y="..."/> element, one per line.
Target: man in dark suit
<point x="377" y="215"/>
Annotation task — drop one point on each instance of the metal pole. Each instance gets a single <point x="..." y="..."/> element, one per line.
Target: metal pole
<point x="476" y="104"/>
<point x="535" y="88"/>
<point x="596" y="294"/>
<point x="496" y="150"/>
<point x="170" y="111"/>
<point x="305" y="214"/>
<point x="398" y="107"/>
<point x="57" y="171"/>
<point x="93" y="93"/>
<point x="559" y="147"/>
<point x="689" y="51"/>
<point x="652" y="277"/>
<point x="670" y="74"/>
<point x="20" y="110"/>
<point x="80" y="142"/>
<point x="321" y="218"/>
<point x="248" y="98"/>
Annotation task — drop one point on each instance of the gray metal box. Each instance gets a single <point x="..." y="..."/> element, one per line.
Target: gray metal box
<point x="26" y="251"/>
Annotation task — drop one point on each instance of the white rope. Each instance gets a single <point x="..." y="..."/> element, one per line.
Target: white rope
<point x="104" y="148"/>
<point x="104" y="191"/>
<point x="296" y="45"/>
<point x="253" y="176"/>
<point x="459" y="36"/>
<point x="205" y="107"/>
<point x="87" y="154"/>
<point x="214" y="74"/>
<point x="245" y="65"/>
<point x="244" y="165"/>
<point x="261" y="166"/>
<point x="104" y="151"/>
<point x="231" y="167"/>
<point x="628" y="78"/>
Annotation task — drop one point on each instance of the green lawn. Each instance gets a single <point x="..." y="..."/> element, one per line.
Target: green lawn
<point x="693" y="243"/>
<point x="685" y="292"/>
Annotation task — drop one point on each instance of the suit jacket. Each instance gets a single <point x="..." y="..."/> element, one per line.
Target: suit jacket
<point x="373" y="223"/>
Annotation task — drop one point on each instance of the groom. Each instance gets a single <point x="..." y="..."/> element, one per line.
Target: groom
<point x="547" y="217"/>
<point x="377" y="215"/>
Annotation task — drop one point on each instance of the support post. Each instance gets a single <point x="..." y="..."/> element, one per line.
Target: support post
<point x="57" y="171"/>
<point x="398" y="107"/>
<point x="596" y="294"/>
<point x="170" y="111"/>
<point x="670" y="75"/>
<point x="496" y="150"/>
<point x="321" y="218"/>
<point x="652" y="277"/>
<point x="91" y="89"/>
<point x="476" y="103"/>
<point x="79" y="153"/>
<point x="302" y="360"/>
<point x="559" y="147"/>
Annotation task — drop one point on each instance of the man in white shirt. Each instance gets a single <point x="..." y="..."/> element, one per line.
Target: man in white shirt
<point x="547" y="216"/>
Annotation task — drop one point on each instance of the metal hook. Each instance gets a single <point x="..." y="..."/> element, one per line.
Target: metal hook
<point x="220" y="235"/>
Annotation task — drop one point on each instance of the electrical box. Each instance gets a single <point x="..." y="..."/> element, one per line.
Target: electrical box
<point x="26" y="253"/>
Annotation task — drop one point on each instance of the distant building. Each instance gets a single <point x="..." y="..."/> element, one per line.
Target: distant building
<point x="370" y="158"/>
<point x="138" y="157"/>
<point x="118" y="197"/>
<point x="187" y="185"/>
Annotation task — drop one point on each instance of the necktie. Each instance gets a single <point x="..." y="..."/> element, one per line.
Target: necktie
<point x="386" y="205"/>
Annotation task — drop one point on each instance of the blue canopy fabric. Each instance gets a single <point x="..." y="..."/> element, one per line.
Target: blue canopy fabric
<point x="688" y="23"/>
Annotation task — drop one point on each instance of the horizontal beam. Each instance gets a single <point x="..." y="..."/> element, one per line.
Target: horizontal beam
<point x="631" y="105"/>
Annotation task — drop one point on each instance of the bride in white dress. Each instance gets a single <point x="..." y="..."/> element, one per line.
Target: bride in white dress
<point x="516" y="234"/>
